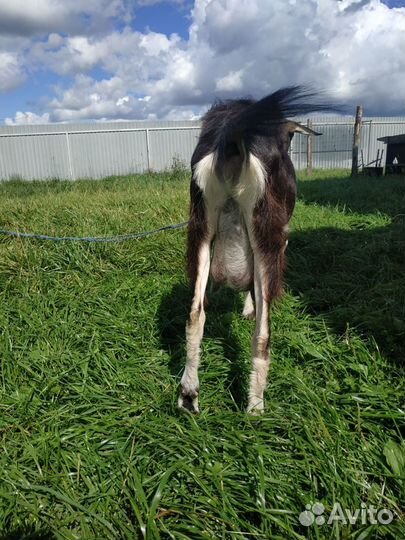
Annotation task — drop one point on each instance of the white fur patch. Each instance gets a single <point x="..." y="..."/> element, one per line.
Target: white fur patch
<point x="252" y="182"/>
<point x="204" y="170"/>
<point x="257" y="169"/>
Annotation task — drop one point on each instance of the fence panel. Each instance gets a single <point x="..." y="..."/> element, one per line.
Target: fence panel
<point x="34" y="157"/>
<point x="96" y="150"/>
<point x="333" y="149"/>
<point x="381" y="128"/>
<point x="171" y="147"/>
<point x="106" y="153"/>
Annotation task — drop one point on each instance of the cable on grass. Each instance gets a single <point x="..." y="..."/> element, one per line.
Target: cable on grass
<point x="111" y="239"/>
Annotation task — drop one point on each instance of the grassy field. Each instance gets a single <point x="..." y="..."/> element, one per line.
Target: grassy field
<point x="92" y="347"/>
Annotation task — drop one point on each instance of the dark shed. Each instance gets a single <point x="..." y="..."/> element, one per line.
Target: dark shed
<point x="395" y="148"/>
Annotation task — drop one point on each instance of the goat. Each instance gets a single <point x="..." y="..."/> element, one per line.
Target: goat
<point x="243" y="191"/>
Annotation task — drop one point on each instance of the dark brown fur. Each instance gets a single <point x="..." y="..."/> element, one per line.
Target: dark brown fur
<point x="197" y="230"/>
<point x="270" y="220"/>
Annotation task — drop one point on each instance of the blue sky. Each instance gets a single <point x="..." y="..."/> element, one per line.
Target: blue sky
<point x="165" y="17"/>
<point x="86" y="60"/>
<point x="395" y="3"/>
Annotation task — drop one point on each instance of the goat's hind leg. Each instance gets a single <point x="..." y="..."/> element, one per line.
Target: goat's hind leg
<point x="268" y="279"/>
<point x="260" y="341"/>
<point x="249" y="311"/>
<point x="188" y="399"/>
<point x="207" y="197"/>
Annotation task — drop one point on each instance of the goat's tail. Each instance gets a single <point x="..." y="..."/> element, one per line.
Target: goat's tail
<point x="259" y="117"/>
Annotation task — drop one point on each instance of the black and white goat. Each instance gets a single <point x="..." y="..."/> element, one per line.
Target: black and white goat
<point x="243" y="192"/>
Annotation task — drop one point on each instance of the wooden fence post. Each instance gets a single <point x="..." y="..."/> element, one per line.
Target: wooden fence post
<point x="309" y="149"/>
<point x="356" y="140"/>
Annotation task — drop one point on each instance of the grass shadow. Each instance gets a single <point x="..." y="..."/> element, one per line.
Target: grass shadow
<point x="172" y="316"/>
<point x="28" y="533"/>
<point x="355" y="277"/>
<point x="362" y="194"/>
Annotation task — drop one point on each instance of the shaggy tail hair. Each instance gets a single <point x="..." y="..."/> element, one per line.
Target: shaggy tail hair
<point x="247" y="118"/>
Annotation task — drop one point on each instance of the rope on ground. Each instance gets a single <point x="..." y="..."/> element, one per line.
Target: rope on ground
<point x="119" y="238"/>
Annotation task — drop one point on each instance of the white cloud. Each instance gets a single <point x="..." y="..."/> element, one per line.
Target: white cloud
<point x="121" y="102"/>
<point x="182" y="114"/>
<point x="353" y="49"/>
<point x="33" y="17"/>
<point x="11" y="73"/>
<point x="27" y="118"/>
<point x="143" y="3"/>
<point x="91" y="99"/>
<point x="128" y="54"/>
<point x="231" y="82"/>
<point x="368" y="60"/>
<point x="155" y="44"/>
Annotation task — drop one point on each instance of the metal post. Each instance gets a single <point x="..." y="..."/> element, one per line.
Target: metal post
<point x="309" y="148"/>
<point x="356" y="140"/>
<point x="69" y="154"/>
<point x="370" y="126"/>
<point x="299" y="152"/>
<point x="147" y="148"/>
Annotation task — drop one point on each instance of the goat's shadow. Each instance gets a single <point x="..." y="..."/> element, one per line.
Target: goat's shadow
<point x="172" y="316"/>
<point x="346" y="277"/>
<point x="361" y="194"/>
<point x="354" y="276"/>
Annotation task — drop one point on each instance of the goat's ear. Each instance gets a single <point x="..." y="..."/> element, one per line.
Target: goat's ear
<point x="294" y="127"/>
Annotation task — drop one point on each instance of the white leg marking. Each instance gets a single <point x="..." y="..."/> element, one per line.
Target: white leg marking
<point x="249" y="307"/>
<point x="286" y="229"/>
<point x="214" y="196"/>
<point x="194" y="332"/>
<point x="260" y="343"/>
<point x="260" y="339"/>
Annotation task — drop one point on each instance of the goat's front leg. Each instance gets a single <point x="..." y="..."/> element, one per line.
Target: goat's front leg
<point x="188" y="398"/>
<point x="260" y="340"/>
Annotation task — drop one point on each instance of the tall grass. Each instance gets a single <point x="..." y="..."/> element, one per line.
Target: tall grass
<point x="92" y="347"/>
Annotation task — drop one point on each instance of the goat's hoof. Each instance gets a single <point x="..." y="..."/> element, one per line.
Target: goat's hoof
<point x="249" y="314"/>
<point x="254" y="412"/>
<point x="255" y="407"/>
<point x="188" y="401"/>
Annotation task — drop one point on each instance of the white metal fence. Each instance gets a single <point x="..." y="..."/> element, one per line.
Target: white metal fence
<point x="71" y="151"/>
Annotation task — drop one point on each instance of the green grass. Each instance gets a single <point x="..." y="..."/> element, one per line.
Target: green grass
<point x="92" y="347"/>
